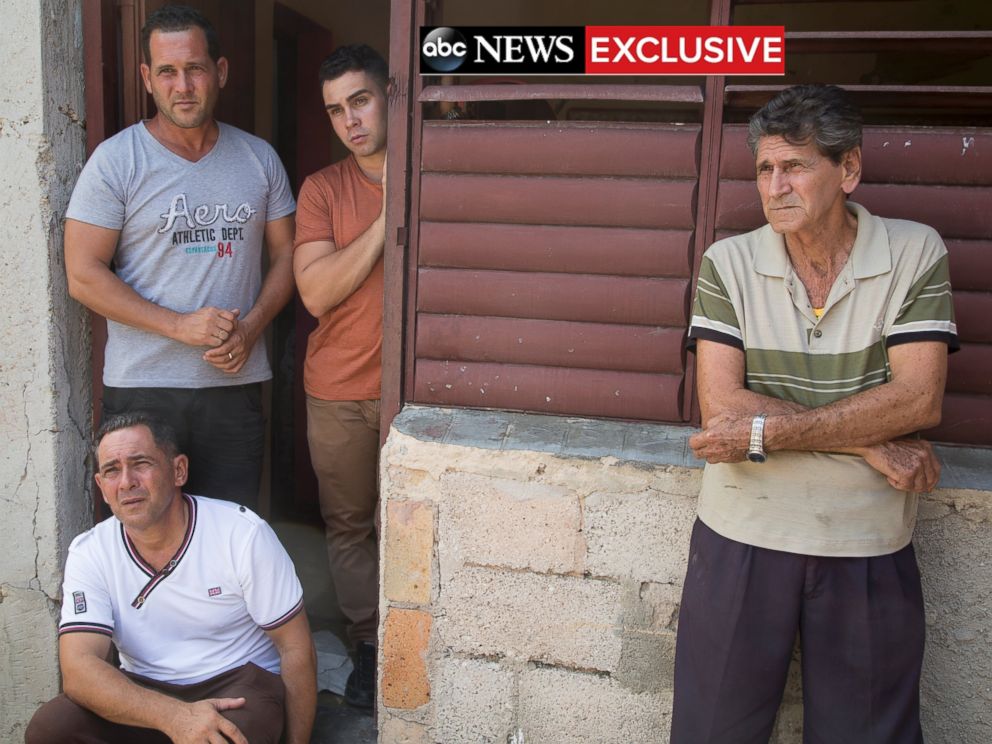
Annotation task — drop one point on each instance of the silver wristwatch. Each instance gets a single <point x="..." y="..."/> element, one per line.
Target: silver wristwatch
<point x="756" y="447"/>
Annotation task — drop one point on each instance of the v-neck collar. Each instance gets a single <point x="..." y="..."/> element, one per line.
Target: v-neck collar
<point x="176" y="157"/>
<point x="157" y="577"/>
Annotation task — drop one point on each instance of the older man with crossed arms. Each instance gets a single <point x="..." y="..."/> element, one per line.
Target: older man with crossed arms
<point x="821" y="344"/>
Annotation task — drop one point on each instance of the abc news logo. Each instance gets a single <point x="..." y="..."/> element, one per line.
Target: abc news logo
<point x="603" y="50"/>
<point x="491" y="50"/>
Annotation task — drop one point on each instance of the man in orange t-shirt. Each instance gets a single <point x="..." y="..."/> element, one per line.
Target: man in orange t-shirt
<point x="340" y="232"/>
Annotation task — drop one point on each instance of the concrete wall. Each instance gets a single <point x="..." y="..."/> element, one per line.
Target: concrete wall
<point x="532" y="570"/>
<point x="44" y="345"/>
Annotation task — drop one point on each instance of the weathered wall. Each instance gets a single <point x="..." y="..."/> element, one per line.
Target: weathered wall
<point x="532" y="572"/>
<point x="44" y="344"/>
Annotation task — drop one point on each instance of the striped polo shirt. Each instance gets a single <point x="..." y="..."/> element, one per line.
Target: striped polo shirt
<point x="893" y="289"/>
<point x="204" y="613"/>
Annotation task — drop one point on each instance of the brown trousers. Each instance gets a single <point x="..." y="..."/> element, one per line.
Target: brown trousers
<point x="344" y="450"/>
<point x="61" y="721"/>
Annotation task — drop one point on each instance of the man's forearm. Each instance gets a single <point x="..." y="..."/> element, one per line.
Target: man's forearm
<point x="299" y="675"/>
<point x="104" y="293"/>
<point x="744" y="402"/>
<point x="276" y="291"/>
<point x="99" y="687"/>
<point x="327" y="281"/>
<point x="868" y="418"/>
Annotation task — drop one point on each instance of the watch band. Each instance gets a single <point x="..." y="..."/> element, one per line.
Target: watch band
<point x="756" y="447"/>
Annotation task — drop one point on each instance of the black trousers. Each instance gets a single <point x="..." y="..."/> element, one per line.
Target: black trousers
<point x="61" y="721"/>
<point x="221" y="429"/>
<point x="861" y="628"/>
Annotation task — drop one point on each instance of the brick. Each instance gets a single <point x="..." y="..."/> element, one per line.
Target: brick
<point x="559" y="620"/>
<point x="394" y="730"/>
<point x="560" y="707"/>
<point x="473" y="702"/>
<point x="517" y="524"/>
<point x="405" y="684"/>
<point x="409" y="550"/>
<point x="643" y="536"/>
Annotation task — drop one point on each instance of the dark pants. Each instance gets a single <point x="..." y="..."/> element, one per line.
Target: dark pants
<point x="61" y="721"/>
<point x="221" y="429"/>
<point x="861" y="627"/>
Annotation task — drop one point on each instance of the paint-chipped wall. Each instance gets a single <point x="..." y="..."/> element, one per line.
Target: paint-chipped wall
<point x="44" y="345"/>
<point x="532" y="571"/>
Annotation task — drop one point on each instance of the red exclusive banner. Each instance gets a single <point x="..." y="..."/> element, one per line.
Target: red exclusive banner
<point x="685" y="50"/>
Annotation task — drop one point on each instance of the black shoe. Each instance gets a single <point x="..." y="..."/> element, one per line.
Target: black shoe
<point x="359" y="690"/>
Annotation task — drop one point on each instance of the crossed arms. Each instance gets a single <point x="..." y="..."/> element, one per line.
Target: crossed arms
<point x="328" y="274"/>
<point x="869" y="424"/>
<point x="96" y="685"/>
<point x="230" y="337"/>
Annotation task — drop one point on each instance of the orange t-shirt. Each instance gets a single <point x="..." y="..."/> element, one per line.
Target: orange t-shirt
<point x="344" y="351"/>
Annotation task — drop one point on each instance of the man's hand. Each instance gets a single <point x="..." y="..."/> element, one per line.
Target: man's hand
<point x="231" y="355"/>
<point x="208" y="326"/>
<point x="725" y="438"/>
<point x="202" y="722"/>
<point x="908" y="464"/>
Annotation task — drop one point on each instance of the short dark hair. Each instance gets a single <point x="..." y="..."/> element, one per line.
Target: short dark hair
<point x="178" y="18"/>
<point x="163" y="433"/>
<point x="822" y="114"/>
<point x="354" y="58"/>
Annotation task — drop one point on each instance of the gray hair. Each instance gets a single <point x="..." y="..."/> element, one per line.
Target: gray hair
<point x="822" y="114"/>
<point x="164" y="435"/>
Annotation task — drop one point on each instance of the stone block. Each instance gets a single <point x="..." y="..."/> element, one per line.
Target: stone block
<point x="408" y="552"/>
<point x="473" y="702"/>
<point x="643" y="536"/>
<point x="661" y="602"/>
<point x="404" y="681"/>
<point x="647" y="661"/>
<point x="517" y="524"/>
<point x="561" y="707"/>
<point x="560" y="620"/>
<point x="394" y="730"/>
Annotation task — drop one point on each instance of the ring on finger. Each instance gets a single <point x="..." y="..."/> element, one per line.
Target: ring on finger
<point x="230" y="356"/>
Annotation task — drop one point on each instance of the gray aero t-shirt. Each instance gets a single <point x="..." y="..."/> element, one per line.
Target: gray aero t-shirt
<point x="191" y="236"/>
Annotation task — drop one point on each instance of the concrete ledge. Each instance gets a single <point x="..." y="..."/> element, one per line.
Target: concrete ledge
<point x="652" y="444"/>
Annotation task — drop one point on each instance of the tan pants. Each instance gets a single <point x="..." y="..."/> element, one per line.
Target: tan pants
<point x="344" y="449"/>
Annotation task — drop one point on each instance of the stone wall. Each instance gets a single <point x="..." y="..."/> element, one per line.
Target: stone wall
<point x="532" y="568"/>
<point x="44" y="345"/>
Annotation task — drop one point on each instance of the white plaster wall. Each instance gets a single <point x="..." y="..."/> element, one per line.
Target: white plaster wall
<point x="44" y="344"/>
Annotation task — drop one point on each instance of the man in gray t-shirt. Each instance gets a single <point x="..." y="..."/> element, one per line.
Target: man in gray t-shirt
<point x="164" y="237"/>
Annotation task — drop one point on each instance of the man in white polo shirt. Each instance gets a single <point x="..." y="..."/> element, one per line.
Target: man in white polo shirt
<point x="201" y="601"/>
<point x="821" y="343"/>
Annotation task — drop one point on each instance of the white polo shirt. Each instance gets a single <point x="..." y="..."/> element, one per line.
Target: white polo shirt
<point x="203" y="614"/>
